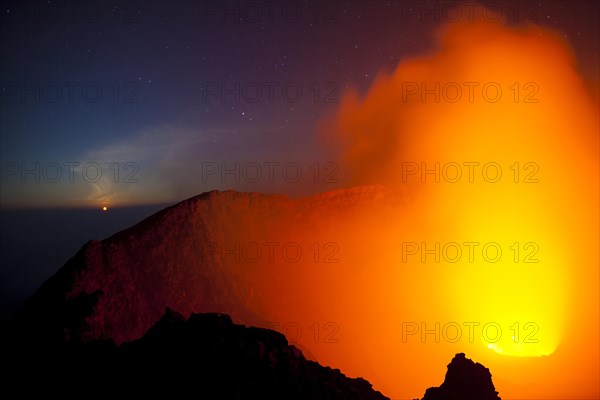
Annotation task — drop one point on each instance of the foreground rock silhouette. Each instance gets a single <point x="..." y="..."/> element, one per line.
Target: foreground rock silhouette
<point x="465" y="380"/>
<point x="100" y="321"/>
<point x="206" y="355"/>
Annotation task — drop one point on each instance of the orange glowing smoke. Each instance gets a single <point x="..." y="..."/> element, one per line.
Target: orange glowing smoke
<point x="491" y="99"/>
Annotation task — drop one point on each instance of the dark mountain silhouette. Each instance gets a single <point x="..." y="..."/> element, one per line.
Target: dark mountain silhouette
<point x="100" y="321"/>
<point x="207" y="356"/>
<point x="465" y="380"/>
<point x="119" y="287"/>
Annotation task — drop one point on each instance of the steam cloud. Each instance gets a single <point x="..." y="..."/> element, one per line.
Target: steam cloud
<point x="494" y="99"/>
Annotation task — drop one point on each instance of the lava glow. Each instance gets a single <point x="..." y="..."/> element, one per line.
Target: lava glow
<point x="481" y="236"/>
<point x="496" y="137"/>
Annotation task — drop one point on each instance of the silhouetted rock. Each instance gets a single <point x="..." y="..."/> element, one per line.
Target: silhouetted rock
<point x="207" y="356"/>
<point x="119" y="287"/>
<point x="99" y="323"/>
<point x="95" y="323"/>
<point x="465" y="380"/>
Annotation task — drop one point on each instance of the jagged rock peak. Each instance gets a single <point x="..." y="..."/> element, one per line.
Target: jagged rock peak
<point x="465" y="380"/>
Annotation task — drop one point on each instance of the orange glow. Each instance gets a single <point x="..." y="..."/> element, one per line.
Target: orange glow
<point x="104" y="208"/>
<point x="369" y="280"/>
<point x="542" y="134"/>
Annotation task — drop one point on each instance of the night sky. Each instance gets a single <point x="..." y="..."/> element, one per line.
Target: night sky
<point x="128" y="103"/>
<point x="136" y="103"/>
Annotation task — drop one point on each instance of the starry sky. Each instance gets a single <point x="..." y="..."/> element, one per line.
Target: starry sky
<point x="132" y="105"/>
<point x="144" y="102"/>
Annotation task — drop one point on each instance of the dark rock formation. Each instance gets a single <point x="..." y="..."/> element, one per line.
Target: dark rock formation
<point x="119" y="287"/>
<point x="90" y="324"/>
<point x="465" y="380"/>
<point x="99" y="323"/>
<point x="207" y="356"/>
